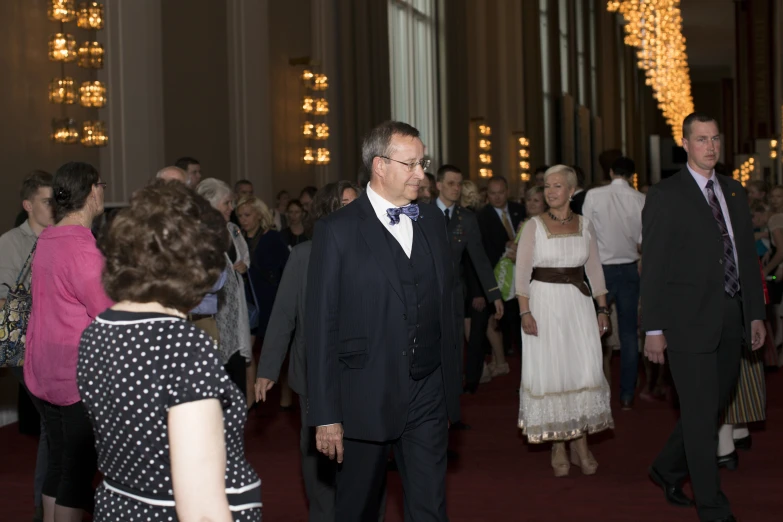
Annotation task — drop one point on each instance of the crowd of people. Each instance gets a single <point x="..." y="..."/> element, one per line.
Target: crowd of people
<point x="146" y="347"/>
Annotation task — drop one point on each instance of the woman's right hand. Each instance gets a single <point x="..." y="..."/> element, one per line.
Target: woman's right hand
<point x="529" y="325"/>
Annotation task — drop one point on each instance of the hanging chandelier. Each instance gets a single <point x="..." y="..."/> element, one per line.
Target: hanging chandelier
<point x="654" y="28"/>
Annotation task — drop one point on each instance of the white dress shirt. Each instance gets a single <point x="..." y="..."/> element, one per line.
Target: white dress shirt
<point x="402" y="231"/>
<point x="702" y="182"/>
<point x="443" y="208"/>
<point x="616" y="213"/>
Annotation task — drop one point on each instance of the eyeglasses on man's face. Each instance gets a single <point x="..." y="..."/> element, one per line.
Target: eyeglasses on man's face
<point x="425" y="163"/>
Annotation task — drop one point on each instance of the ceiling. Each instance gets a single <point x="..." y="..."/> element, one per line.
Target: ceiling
<point x="708" y="27"/>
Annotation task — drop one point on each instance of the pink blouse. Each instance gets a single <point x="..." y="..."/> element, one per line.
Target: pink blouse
<point x="67" y="295"/>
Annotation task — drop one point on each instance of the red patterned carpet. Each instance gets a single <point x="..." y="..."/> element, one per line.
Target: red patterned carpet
<point x="497" y="476"/>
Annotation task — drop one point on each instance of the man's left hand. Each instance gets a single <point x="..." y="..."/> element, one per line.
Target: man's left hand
<point x="498" y="309"/>
<point x="758" y="334"/>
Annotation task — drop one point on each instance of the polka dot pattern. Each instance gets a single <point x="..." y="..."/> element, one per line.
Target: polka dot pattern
<point x="132" y="368"/>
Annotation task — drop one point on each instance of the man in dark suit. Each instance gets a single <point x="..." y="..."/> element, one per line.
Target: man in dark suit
<point x="499" y="222"/>
<point x="465" y="236"/>
<point x="702" y="298"/>
<point x="382" y="354"/>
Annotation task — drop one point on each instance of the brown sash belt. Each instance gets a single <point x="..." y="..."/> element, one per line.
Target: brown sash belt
<point x="563" y="276"/>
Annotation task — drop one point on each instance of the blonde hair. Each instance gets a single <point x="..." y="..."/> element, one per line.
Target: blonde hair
<point x="470" y="195"/>
<point x="534" y="191"/>
<point x="566" y="171"/>
<point x="265" y="219"/>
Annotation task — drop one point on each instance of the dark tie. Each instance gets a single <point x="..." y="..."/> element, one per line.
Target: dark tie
<point x="412" y="211"/>
<point x="448" y="217"/>
<point x="731" y="274"/>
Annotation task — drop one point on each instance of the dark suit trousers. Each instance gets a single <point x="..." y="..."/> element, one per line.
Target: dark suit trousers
<point x="511" y="325"/>
<point x="420" y="454"/>
<point x="704" y="382"/>
<point x="318" y="473"/>
<point x="474" y="357"/>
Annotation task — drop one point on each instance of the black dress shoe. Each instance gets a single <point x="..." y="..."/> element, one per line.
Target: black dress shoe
<point x="730" y="461"/>
<point x="744" y="443"/>
<point x="673" y="492"/>
<point x="627" y="404"/>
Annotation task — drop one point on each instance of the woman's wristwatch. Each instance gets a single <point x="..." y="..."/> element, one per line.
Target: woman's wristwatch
<point x="603" y="310"/>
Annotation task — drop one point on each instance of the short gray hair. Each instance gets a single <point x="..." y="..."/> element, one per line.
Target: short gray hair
<point x="378" y="140"/>
<point x="565" y="170"/>
<point x="213" y="190"/>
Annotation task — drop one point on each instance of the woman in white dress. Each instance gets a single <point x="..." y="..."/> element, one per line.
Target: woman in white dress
<point x="563" y="394"/>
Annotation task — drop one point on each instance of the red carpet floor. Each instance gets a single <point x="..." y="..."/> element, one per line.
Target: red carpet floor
<point x="497" y="476"/>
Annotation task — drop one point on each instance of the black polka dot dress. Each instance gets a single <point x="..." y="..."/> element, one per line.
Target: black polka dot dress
<point x="132" y="368"/>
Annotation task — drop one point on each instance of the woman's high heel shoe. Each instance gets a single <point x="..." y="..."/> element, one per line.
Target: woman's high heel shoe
<point x="582" y="457"/>
<point x="560" y="459"/>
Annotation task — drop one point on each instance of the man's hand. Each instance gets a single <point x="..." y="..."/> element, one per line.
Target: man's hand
<point x="758" y="334"/>
<point x="511" y="251"/>
<point x="263" y="385"/>
<point x="498" y="309"/>
<point x="329" y="441"/>
<point x="479" y="303"/>
<point x="654" y="346"/>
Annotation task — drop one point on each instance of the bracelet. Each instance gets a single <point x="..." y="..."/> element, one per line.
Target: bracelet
<point x="523" y="314"/>
<point x="603" y="310"/>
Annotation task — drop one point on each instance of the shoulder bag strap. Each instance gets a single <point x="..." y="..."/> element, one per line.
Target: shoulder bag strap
<point x="27" y="265"/>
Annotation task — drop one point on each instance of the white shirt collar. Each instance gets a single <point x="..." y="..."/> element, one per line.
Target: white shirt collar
<point x="620" y="181"/>
<point x="701" y="180"/>
<point x="442" y="206"/>
<point x="380" y="205"/>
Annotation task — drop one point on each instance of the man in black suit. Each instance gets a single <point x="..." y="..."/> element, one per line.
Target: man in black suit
<point x="499" y="222"/>
<point x="702" y="298"/>
<point x="463" y="230"/>
<point x="382" y="354"/>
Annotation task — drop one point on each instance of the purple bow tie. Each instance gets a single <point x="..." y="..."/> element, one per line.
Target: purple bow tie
<point x="412" y="211"/>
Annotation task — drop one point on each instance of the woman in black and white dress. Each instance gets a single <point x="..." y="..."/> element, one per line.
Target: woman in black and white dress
<point x="168" y="421"/>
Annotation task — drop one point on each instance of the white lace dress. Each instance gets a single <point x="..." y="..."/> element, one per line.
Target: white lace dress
<point x="563" y="393"/>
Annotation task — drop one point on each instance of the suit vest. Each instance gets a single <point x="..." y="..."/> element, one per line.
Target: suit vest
<point x="422" y="297"/>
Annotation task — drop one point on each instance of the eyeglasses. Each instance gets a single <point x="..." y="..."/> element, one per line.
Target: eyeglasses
<point x="425" y="163"/>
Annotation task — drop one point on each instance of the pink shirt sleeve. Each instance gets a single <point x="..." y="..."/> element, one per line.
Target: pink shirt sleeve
<point x="87" y="284"/>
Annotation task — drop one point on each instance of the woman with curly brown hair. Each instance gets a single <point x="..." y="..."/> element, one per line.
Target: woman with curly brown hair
<point x="168" y="421"/>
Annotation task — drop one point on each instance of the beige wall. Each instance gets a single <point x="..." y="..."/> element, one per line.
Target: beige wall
<point x="195" y="84"/>
<point x="27" y="113"/>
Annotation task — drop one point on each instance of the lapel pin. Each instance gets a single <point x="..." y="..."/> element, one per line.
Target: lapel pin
<point x="733" y="194"/>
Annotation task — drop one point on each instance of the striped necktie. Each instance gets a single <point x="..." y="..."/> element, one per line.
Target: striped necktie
<point x="731" y="274"/>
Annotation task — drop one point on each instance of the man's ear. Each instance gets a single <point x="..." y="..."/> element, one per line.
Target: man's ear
<point x="27" y="205"/>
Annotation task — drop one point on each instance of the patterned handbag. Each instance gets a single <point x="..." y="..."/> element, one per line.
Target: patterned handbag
<point x="14" y="317"/>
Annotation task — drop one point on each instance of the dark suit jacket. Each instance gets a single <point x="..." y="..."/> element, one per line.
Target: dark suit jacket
<point x="577" y="201"/>
<point x="286" y="321"/>
<point x="465" y="237"/>
<point x="682" y="263"/>
<point x="493" y="233"/>
<point x="358" y="370"/>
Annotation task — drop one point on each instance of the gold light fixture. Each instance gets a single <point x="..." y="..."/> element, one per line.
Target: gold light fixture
<point x="61" y="11"/>
<point x="62" y="47"/>
<point x="62" y="91"/>
<point x="308" y="155"/>
<point x="321" y="106"/>
<point x="485" y="145"/>
<point x="307" y="104"/>
<point x="307" y="129"/>
<point x="94" y="134"/>
<point x="485" y="159"/>
<point x="635" y="181"/>
<point x="485" y="130"/>
<point x="322" y="156"/>
<point x="64" y="130"/>
<point x="307" y="75"/>
<point x="773" y="148"/>
<point x="91" y="55"/>
<point x="320" y="82"/>
<point x="654" y="27"/>
<point x="485" y="173"/>
<point x="523" y="152"/>
<point x="321" y="131"/>
<point x="92" y="94"/>
<point x="90" y="15"/>
<point x="742" y="174"/>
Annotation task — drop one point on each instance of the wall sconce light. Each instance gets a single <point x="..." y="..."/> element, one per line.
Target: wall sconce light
<point x="485" y="173"/>
<point x="90" y="15"/>
<point x="523" y="153"/>
<point x="61" y="11"/>
<point x="61" y="90"/>
<point x="322" y="156"/>
<point x="320" y="82"/>
<point x="92" y="94"/>
<point x="321" y="106"/>
<point x="307" y="75"/>
<point x="62" y="47"/>
<point x="485" y="159"/>
<point x="485" y="145"/>
<point x="773" y="148"/>
<point x="307" y="105"/>
<point x="91" y="55"/>
<point x="64" y="130"/>
<point x="485" y="130"/>
<point x="307" y="130"/>
<point x="94" y="134"/>
<point x="308" y="156"/>
<point x="321" y="131"/>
